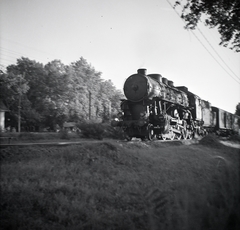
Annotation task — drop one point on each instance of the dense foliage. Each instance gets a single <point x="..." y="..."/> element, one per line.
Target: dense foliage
<point x="48" y="95"/>
<point x="238" y="109"/>
<point x="237" y="112"/>
<point x="223" y="14"/>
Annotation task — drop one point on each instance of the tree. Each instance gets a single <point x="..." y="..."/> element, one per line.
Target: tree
<point x="31" y="73"/>
<point x="56" y="96"/>
<point x="237" y="112"/>
<point x="54" y="93"/>
<point x="223" y="14"/>
<point x="13" y="91"/>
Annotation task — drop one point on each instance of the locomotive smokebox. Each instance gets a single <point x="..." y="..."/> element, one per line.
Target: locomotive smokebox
<point x="142" y="71"/>
<point x="141" y="86"/>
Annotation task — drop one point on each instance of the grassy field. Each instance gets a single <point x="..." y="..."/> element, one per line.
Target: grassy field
<point x="121" y="185"/>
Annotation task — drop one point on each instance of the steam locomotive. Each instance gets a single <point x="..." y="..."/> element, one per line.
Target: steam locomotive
<point x="155" y="108"/>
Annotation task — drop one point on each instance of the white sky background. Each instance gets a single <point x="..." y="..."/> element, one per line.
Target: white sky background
<point x="118" y="37"/>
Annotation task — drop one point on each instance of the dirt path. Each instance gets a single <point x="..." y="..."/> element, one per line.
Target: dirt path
<point x="231" y="144"/>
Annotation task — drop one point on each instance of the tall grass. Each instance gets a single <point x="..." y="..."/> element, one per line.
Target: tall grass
<point x="108" y="185"/>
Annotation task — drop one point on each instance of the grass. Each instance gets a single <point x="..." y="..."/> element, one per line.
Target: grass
<point x="120" y="185"/>
<point x="90" y="130"/>
<point x="38" y="137"/>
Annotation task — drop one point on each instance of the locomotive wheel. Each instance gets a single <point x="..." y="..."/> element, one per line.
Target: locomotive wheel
<point x="179" y="136"/>
<point x="184" y="134"/>
<point x="172" y="135"/>
<point x="164" y="138"/>
<point x="190" y="135"/>
<point x="150" y="131"/>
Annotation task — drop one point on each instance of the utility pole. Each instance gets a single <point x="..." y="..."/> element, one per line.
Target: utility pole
<point x="90" y="105"/>
<point x="19" y="104"/>
<point x="20" y="101"/>
<point x="110" y="110"/>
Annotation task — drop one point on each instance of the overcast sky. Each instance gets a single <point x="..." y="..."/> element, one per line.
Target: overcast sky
<point x="118" y="37"/>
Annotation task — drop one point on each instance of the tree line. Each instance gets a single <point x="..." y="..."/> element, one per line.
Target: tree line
<point x="49" y="95"/>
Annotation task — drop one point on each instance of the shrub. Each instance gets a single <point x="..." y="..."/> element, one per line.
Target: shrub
<point x="211" y="141"/>
<point x="113" y="132"/>
<point x="99" y="131"/>
<point x="64" y="134"/>
<point x="235" y="137"/>
<point x="91" y="130"/>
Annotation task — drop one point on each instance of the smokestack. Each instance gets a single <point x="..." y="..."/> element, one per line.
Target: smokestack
<point x="142" y="71"/>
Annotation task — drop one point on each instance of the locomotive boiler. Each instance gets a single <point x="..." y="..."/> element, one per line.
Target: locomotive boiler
<point x="154" y="107"/>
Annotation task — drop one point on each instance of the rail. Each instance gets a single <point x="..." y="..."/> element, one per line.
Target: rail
<point x="8" y="139"/>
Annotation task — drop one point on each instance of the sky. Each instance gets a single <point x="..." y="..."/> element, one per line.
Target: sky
<point x="117" y="38"/>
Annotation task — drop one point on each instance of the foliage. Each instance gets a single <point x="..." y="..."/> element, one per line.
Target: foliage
<point x="64" y="134"/>
<point x="237" y="112"/>
<point x="54" y="93"/>
<point x="92" y="130"/>
<point x="235" y="138"/>
<point x="99" y="131"/>
<point x="223" y="14"/>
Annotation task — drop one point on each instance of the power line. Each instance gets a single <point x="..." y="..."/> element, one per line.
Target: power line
<point x="6" y="54"/>
<point x="215" y="58"/>
<point x="28" y="47"/>
<point x="217" y="52"/>
<point x="9" y="51"/>
<point x="23" y="45"/>
<point x="14" y="55"/>
<point x="207" y="48"/>
<point x="4" y="59"/>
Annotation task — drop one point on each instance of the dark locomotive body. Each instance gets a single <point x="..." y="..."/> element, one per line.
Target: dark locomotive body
<point x="154" y="107"/>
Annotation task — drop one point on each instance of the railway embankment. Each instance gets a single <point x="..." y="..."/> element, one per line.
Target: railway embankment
<point x="113" y="184"/>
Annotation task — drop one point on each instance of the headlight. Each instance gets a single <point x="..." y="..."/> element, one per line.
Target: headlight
<point x="120" y="114"/>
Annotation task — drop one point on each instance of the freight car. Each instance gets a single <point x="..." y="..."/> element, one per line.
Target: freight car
<point x="225" y="123"/>
<point x="154" y="107"/>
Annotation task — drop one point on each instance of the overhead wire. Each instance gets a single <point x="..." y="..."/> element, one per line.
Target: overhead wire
<point x="8" y="51"/>
<point x="11" y="56"/>
<point x="238" y="79"/>
<point x="216" y="52"/>
<point x="23" y="45"/>
<point x="216" y="40"/>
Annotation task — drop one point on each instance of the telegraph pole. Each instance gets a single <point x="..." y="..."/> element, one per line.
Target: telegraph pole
<point x="110" y="110"/>
<point x="19" y="105"/>
<point x="20" y="101"/>
<point x="90" y="104"/>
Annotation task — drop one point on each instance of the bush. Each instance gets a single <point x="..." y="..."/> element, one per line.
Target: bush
<point x="235" y="137"/>
<point x="91" y="130"/>
<point x="99" y="131"/>
<point x="114" y="132"/>
<point x="64" y="134"/>
<point x="211" y="141"/>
